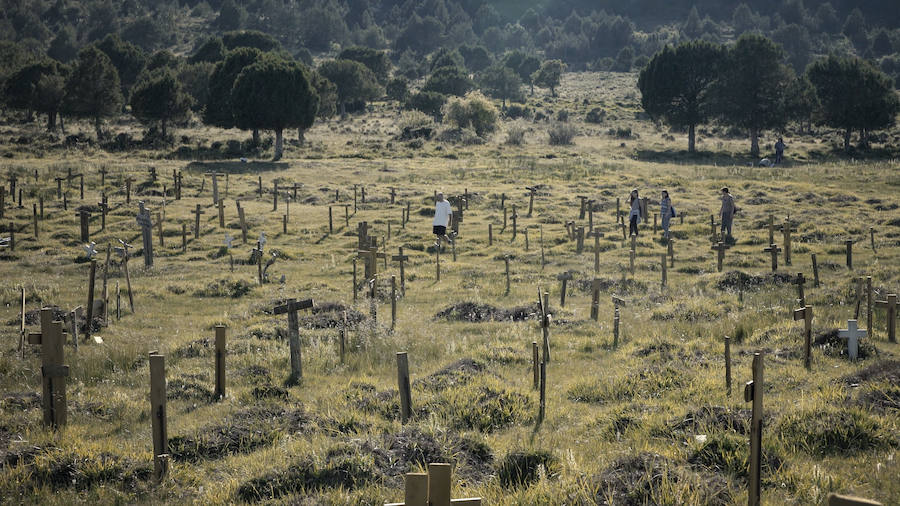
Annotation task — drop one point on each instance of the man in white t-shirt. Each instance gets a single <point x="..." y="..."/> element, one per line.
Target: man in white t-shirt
<point x="442" y="212"/>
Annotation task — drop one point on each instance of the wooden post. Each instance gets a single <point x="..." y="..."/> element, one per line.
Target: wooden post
<point x="490" y="234"/>
<point x="504" y="220"/>
<point x="815" y="266"/>
<point x="330" y="221"/>
<point x="259" y="186"/>
<point x="531" y="190"/>
<point x="343" y="334"/>
<point x="183" y="238"/>
<point x="728" y="365"/>
<point x="275" y="197"/>
<point x="400" y="257"/>
<point x="872" y="237"/>
<point x="90" y="306"/>
<point x="221" y="204"/>
<point x="355" y="285"/>
<point x="535" y="364"/>
<point x="118" y="303"/>
<point x="849" y="244"/>
<point x="403" y="387"/>
<point x="243" y="224"/>
<point x="85" y="217"/>
<point x="583" y="199"/>
<point x="291" y="306"/>
<point x="771" y="229"/>
<point x="437" y="263"/>
<point x="21" y="347"/>
<point x="664" y="273"/>
<point x="542" y="247"/>
<point x="890" y="305"/>
<point x="869" y="291"/>
<point x="619" y="210"/>
<point x="806" y="313"/>
<point x="543" y="401"/>
<point x="220" y="361"/>
<point x="579" y="244"/>
<point x="525" y="232"/>
<point x="753" y="392"/>
<point x="284" y="221"/>
<point x="654" y="223"/>
<point x="393" y="302"/>
<point x="506" y="262"/>
<point x="564" y="278"/>
<point x="159" y="229"/>
<point x="595" y="299"/>
<point x="786" y="231"/>
<point x="773" y="249"/>
<point x="671" y="250"/>
<point x="800" y="281"/>
<point x="158" y="414"/>
<point x="128" y="181"/>
<point x="105" y="293"/>
<point x="35" y="219"/>
<point x="125" y="247"/>
<point x="514" y="217"/>
<point x="616" y="319"/>
<point x="146" y="224"/>
<point x="197" y="213"/>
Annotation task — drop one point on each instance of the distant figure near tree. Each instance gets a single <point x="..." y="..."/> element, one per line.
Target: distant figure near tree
<point x="634" y="216"/>
<point x="442" y="212"/>
<point x="667" y="212"/>
<point x="779" y="151"/>
<point x="726" y="213"/>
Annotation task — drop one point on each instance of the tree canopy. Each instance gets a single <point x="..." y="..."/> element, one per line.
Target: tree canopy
<point x="92" y="89"/>
<point x="219" y="110"/>
<point x="159" y="98"/>
<point x="354" y="82"/>
<point x="549" y="75"/>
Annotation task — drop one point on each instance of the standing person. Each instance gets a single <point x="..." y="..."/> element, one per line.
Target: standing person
<point x="726" y="213"/>
<point x="442" y="213"/>
<point x="667" y="211"/>
<point x="634" y="216"/>
<point x="779" y="151"/>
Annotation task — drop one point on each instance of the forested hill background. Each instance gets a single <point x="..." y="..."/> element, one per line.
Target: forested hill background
<point x="585" y="34"/>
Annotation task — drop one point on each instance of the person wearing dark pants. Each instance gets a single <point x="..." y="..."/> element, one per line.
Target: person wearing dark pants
<point x="634" y="216"/>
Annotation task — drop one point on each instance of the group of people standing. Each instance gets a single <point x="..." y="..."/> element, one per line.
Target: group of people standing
<point x="443" y="212"/>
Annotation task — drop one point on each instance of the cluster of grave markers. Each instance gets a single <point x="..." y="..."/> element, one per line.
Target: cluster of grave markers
<point x="51" y="338"/>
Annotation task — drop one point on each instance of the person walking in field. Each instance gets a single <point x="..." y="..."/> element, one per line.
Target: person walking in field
<point x="726" y="213"/>
<point x="442" y="213"/>
<point x="667" y="211"/>
<point x="634" y="216"/>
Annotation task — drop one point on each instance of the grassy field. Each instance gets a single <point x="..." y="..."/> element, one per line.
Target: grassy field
<point x="645" y="422"/>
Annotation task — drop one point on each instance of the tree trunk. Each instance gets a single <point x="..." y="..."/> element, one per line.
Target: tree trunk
<point x="62" y="126"/>
<point x="163" y="128"/>
<point x="300" y="135"/>
<point x="552" y="91"/>
<point x="97" y="128"/>
<point x="847" y="140"/>
<point x="343" y="111"/>
<point x="279" y="144"/>
<point x="864" y="138"/>
<point x="532" y="87"/>
<point x="754" y="142"/>
<point x="692" y="146"/>
<point x="51" y="121"/>
<point x="256" y="137"/>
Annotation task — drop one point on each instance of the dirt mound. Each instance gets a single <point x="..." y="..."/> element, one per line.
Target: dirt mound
<point x="713" y="417"/>
<point x="883" y="370"/>
<point x="881" y="399"/>
<point x="522" y="467"/>
<point x="182" y="389"/>
<point x="66" y="469"/>
<point x="329" y="315"/>
<point x="642" y="478"/>
<point x="20" y="401"/>
<point x="833" y="346"/>
<point x="33" y="317"/>
<point x="663" y="348"/>
<point x="458" y="373"/>
<point x="737" y="280"/>
<point x="475" y="313"/>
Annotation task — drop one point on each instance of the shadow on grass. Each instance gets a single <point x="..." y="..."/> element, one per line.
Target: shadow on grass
<point x="683" y="156"/>
<point x="236" y="167"/>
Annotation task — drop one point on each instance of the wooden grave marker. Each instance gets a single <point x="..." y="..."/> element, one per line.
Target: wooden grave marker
<point x="664" y="272"/>
<point x="432" y="489"/>
<point x="596" y="234"/>
<point x="806" y="314"/>
<point x="890" y="306"/>
<point x="753" y="392"/>
<point x="123" y="252"/>
<point x="728" y="365"/>
<point x="158" y="417"/>
<point x="221" y="351"/>
<point x="514" y="217"/>
<point x="786" y="232"/>
<point x="595" y="298"/>
<point x="85" y="217"/>
<point x="197" y="212"/>
<point x="531" y="191"/>
<point x="670" y="246"/>
<point x="506" y="263"/>
<point x="393" y="302"/>
<point x="800" y="281"/>
<point x="53" y="372"/>
<point x="720" y="248"/>
<point x="143" y="219"/>
<point x="815" y="266"/>
<point x="242" y="220"/>
<point x="579" y="240"/>
<point x="400" y="257"/>
<point x="852" y="334"/>
<point x="90" y="305"/>
<point x="583" y="199"/>
<point x="564" y="277"/>
<point x="773" y="250"/>
<point x="403" y="386"/>
<point x="869" y="306"/>
<point x="291" y="307"/>
<point x="849" y="245"/>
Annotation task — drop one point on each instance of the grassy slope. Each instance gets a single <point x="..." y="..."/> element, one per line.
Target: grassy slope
<point x="604" y="404"/>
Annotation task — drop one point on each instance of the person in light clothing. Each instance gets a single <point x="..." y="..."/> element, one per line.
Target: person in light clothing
<point x="634" y="216"/>
<point x="667" y="211"/>
<point x="442" y="213"/>
<point x="726" y="212"/>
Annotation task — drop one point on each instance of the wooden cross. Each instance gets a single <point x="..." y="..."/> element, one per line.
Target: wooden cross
<point x="12" y="184"/>
<point x="806" y="314"/>
<point x="532" y="190"/>
<point x="53" y="372"/>
<point x="294" y="188"/>
<point x="753" y="392"/>
<point x="159" y="422"/>
<point x="773" y="249"/>
<point x="370" y="256"/>
<point x="362" y="234"/>
<point x="890" y="304"/>
<point x="393" y="194"/>
<point x="595" y="298"/>
<point x="59" y="181"/>
<point x="852" y="334"/>
<point x="720" y="248"/>
<point x="143" y="219"/>
<point x="197" y="212"/>
<point x="103" y="172"/>
<point x="544" y="307"/>
<point x="564" y="278"/>
<point x="291" y="306"/>
<point x="596" y="234"/>
<point x="400" y="257"/>
<point x="514" y="217"/>
<point x="85" y="217"/>
<point x="583" y="199"/>
<point x="128" y="181"/>
<point x="786" y="232"/>
<point x="104" y="209"/>
<point x="800" y="281"/>
<point x="432" y="489"/>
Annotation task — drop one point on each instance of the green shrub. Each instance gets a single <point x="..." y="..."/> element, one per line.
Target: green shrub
<point x="520" y="467"/>
<point x="561" y="134"/>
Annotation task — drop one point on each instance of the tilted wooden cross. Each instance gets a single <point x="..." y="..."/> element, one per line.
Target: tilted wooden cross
<point x="786" y="232"/>
<point x="290" y="307"/>
<point x="432" y="489"/>
<point x="400" y="257"/>
<point x="197" y="212"/>
<point x="532" y="190"/>
<point x="890" y="304"/>
<point x="564" y="277"/>
<point x="852" y="334"/>
<point x="370" y="256"/>
<point x="720" y="248"/>
<point x="773" y="249"/>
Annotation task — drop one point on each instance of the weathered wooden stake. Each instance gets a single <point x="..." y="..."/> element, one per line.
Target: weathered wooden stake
<point x="158" y="415"/>
<point x="437" y="263"/>
<point x="35" y="219"/>
<point x="291" y="306"/>
<point x="85" y="217"/>
<point x="490" y="234"/>
<point x="197" y="213"/>
<point x="535" y="364"/>
<point x="849" y="244"/>
<point x="393" y="302"/>
<point x="220" y="361"/>
<point x="506" y="262"/>
<point x="403" y="386"/>
<point x="53" y="372"/>
<point x="872" y="237"/>
<point x="869" y="293"/>
<point x="90" y="306"/>
<point x="728" y="365"/>
<point x="543" y="402"/>
<point x="616" y="319"/>
<point x="806" y="314"/>
<point x="330" y="221"/>
<point x="664" y="271"/>
<point x="890" y="305"/>
<point x="184" y="238"/>
<point x="800" y="281"/>
<point x="595" y="298"/>
<point x="221" y="204"/>
<point x="343" y="334"/>
<point x="753" y="392"/>
<point x="815" y="266"/>
<point x="355" y="286"/>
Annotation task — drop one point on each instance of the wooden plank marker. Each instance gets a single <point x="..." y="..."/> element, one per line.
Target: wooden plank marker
<point x="670" y="246"/>
<point x="243" y="221"/>
<point x="535" y="364"/>
<point x="872" y="237"/>
<point x="890" y="305"/>
<point x="53" y="372"/>
<point x="432" y="489"/>
<point x="403" y="387"/>
<point x="393" y="302"/>
<point x="90" y="306"/>
<point x="786" y="232"/>
<point x="806" y="314"/>
<point x="595" y="298"/>
<point x="849" y="244"/>
<point x="753" y="392"/>
<point x="869" y="306"/>
<point x="146" y="224"/>
<point x="563" y="277"/>
<point x="514" y="218"/>
<point x="720" y="248"/>
<point x="221" y="350"/>
<point x="815" y="266"/>
<point x="531" y="191"/>
<point x="290" y="307"/>
<point x="197" y="212"/>
<point x="800" y="281"/>
<point x="158" y="415"/>
<point x="506" y="262"/>
<point x="400" y="257"/>
<point x="664" y="272"/>
<point x="728" y="365"/>
<point x="85" y="218"/>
